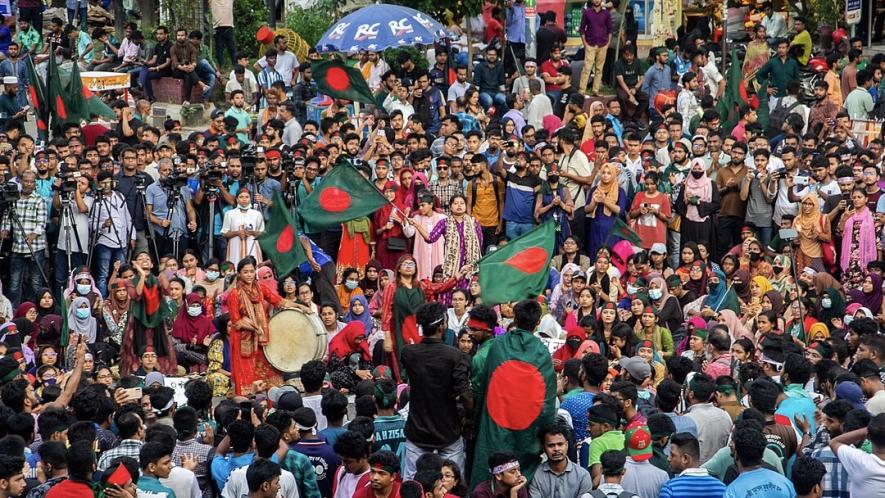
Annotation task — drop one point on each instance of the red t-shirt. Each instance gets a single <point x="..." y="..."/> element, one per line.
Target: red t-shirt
<point x="552" y="68"/>
<point x="649" y="227"/>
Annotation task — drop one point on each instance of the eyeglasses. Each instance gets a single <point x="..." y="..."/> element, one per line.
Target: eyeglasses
<point x="442" y="168"/>
<point x="408" y="265"/>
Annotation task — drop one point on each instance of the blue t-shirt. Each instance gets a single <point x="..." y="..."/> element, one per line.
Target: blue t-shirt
<point x="330" y="434"/>
<point x="324" y="460"/>
<point x="519" y="199"/>
<point x="223" y="465"/>
<point x="318" y="254"/>
<point x="758" y="483"/>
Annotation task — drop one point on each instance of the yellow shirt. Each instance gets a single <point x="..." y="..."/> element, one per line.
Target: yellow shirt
<point x="803" y="39"/>
<point x="834" y="91"/>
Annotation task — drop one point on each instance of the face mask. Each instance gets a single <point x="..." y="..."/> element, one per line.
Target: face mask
<point x="82" y="313"/>
<point x="847" y="320"/>
<point x="632" y="289"/>
<point x="212" y="275"/>
<point x="351" y="284"/>
<point x="83" y="289"/>
<point x="655" y="293"/>
<point x="826" y="302"/>
<point x="573" y="342"/>
<point x="697" y="174"/>
<point x="243" y="208"/>
<point x="711" y="287"/>
<point x="49" y="382"/>
<point x="777" y="269"/>
<point x="195" y="310"/>
<point x="553" y="178"/>
<point x="755" y="256"/>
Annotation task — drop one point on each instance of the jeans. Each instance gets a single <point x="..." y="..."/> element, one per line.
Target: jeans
<point x="206" y="73"/>
<point x="513" y="229"/>
<point x="190" y="79"/>
<point x="80" y="14"/>
<point x="454" y="452"/>
<point x="487" y="99"/>
<point x="729" y="234"/>
<point x="20" y="263"/>
<point x="62" y="272"/>
<point x="104" y="260"/>
<point x="764" y="234"/>
<point x="146" y="78"/>
<point x="225" y="40"/>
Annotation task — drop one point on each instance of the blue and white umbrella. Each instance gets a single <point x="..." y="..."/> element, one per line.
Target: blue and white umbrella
<point x="381" y="26"/>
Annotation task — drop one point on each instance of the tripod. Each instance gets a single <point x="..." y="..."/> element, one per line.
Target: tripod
<point x="68" y="224"/>
<point x="173" y="195"/>
<point x="148" y="232"/>
<point x="13" y="216"/>
<point x="102" y="198"/>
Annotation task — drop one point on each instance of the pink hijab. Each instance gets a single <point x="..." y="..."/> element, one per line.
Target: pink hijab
<point x="867" y="242"/>
<point x="701" y="187"/>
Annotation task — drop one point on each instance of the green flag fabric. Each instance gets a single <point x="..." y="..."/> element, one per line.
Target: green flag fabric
<point x="343" y="195"/>
<point x="520" y="269"/>
<point x="340" y="81"/>
<point x="59" y="100"/>
<point x="762" y="112"/>
<point x="280" y="240"/>
<point x="37" y="97"/>
<point x="623" y="231"/>
<point x="726" y="107"/>
<point x="83" y="102"/>
<point x="515" y="397"/>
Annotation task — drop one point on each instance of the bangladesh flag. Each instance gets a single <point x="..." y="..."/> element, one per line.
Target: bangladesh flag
<point x="280" y="240"/>
<point x="59" y="101"/>
<point x="623" y="232"/>
<point x="735" y="95"/>
<point x="762" y="111"/>
<point x="516" y="393"/>
<point x="343" y="195"/>
<point x="37" y="96"/>
<point x="340" y="81"/>
<point x="83" y="102"/>
<point x="520" y="269"/>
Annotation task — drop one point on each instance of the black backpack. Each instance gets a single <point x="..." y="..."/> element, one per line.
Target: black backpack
<point x="596" y="493"/>
<point x="778" y="116"/>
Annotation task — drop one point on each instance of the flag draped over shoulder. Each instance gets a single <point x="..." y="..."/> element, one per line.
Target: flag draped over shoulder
<point x="340" y="81"/>
<point x="734" y="96"/>
<point x="280" y="240"/>
<point x="520" y="269"/>
<point x="343" y="195"/>
<point x="515" y="398"/>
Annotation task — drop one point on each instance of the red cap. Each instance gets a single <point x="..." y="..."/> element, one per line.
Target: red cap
<point x="272" y="154"/>
<point x="120" y="476"/>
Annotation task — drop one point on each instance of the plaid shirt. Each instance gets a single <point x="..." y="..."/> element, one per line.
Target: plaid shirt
<point x="127" y="448"/>
<point x="31" y="211"/>
<point x="821" y="439"/>
<point x="41" y="490"/>
<point x="835" y="481"/>
<point x="446" y="192"/>
<point x="203" y="453"/>
<point x="305" y="473"/>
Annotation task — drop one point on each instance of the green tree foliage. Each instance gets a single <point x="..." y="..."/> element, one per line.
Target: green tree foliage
<point x="249" y="15"/>
<point x="313" y="22"/>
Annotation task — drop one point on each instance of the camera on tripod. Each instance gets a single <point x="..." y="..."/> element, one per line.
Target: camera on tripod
<point x="248" y="157"/>
<point x="9" y="194"/>
<point x="210" y="179"/>
<point x="68" y="179"/>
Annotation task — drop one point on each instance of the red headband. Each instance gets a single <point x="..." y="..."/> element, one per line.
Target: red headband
<point x="476" y="324"/>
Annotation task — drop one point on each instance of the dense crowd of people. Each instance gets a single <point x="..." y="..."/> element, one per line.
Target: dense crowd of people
<point x="713" y="313"/>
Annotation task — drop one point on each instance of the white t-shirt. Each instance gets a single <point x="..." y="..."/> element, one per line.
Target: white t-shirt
<point x="314" y="403"/>
<point x="346" y="483"/>
<point x="286" y="63"/>
<point x="183" y="482"/>
<point x="79" y="232"/>
<point x="866" y="472"/>
<point x="237" y="486"/>
<point x="876" y="404"/>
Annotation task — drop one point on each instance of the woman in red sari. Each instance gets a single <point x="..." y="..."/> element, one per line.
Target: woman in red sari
<point x="249" y="305"/>
<point x="387" y="223"/>
<point x="402" y="297"/>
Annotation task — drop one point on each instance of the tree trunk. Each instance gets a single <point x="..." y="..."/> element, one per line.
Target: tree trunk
<point x="119" y="17"/>
<point x="148" y="10"/>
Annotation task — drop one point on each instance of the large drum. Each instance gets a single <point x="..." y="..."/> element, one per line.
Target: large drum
<point x="295" y="339"/>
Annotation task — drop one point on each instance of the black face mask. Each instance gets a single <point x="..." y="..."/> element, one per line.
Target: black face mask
<point x="755" y="256"/>
<point x="711" y="287"/>
<point x="553" y="178"/>
<point x="777" y="269"/>
<point x="739" y="286"/>
<point x="573" y="342"/>
<point x="697" y="174"/>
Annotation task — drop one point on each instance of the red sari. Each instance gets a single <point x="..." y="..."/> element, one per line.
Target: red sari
<point x="247" y="359"/>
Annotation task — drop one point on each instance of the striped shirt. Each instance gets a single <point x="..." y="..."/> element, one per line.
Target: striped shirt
<point x="31" y="211"/>
<point x="693" y="482"/>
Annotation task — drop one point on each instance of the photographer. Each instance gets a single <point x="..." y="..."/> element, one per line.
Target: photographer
<point x="109" y="225"/>
<point x="170" y="226"/>
<point x="129" y="181"/>
<point x="223" y="191"/>
<point x="26" y="221"/>
<point x="71" y="202"/>
<point x="264" y="187"/>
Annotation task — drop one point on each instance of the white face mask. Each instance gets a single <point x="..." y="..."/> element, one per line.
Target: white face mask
<point x="655" y="293"/>
<point x="194" y="310"/>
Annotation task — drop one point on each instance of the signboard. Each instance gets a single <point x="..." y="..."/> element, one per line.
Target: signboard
<point x="5" y="8"/>
<point x="98" y="81"/>
<point x="852" y="11"/>
<point x="177" y="384"/>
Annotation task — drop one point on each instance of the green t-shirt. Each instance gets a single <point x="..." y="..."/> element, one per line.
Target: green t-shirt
<point x="611" y="440"/>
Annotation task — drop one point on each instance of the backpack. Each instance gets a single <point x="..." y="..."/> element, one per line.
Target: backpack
<point x="778" y="116"/>
<point x="598" y="493"/>
<point x="474" y="186"/>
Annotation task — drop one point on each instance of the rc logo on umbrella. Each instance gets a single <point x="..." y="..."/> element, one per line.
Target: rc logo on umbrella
<point x="366" y="32"/>
<point x="423" y="21"/>
<point x="338" y="31"/>
<point x="400" y="27"/>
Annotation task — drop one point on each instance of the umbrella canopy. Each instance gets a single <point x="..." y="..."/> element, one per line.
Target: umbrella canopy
<point x="381" y="26"/>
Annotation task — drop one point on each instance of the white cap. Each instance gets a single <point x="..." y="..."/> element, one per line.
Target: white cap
<point x="10" y="80"/>
<point x="659" y="248"/>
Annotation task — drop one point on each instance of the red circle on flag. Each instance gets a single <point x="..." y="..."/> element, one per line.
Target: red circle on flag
<point x="334" y="199"/>
<point x="337" y="79"/>
<point x="516" y="395"/>
<point x="529" y="260"/>
<point x="286" y="239"/>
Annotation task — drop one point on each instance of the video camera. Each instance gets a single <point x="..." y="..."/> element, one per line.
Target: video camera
<point x="248" y="157"/>
<point x="9" y="193"/>
<point x="68" y="179"/>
